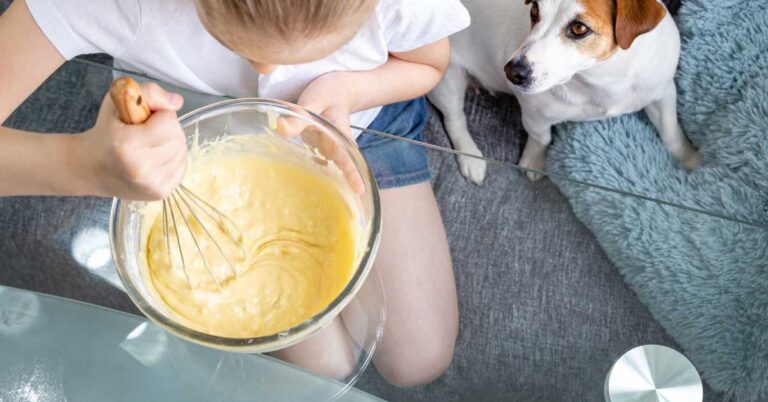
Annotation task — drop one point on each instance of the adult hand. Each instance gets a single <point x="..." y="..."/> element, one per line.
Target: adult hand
<point x="141" y="161"/>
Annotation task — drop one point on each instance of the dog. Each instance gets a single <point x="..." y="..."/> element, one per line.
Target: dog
<point x="565" y="60"/>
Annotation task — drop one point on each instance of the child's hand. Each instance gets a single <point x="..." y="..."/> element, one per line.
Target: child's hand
<point x="329" y="97"/>
<point x="138" y="162"/>
<point x="326" y="98"/>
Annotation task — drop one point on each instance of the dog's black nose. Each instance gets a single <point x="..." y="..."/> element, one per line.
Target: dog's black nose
<point x="519" y="72"/>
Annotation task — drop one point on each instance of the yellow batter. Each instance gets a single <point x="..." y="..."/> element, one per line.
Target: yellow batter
<point x="298" y="252"/>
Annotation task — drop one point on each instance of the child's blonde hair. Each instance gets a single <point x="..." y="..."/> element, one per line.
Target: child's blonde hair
<point x="288" y="19"/>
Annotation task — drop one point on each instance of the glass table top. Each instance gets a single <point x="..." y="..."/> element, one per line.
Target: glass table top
<point x="544" y="310"/>
<point x="56" y="349"/>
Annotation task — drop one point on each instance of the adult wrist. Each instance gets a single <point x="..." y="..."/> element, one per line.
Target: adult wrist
<point x="77" y="176"/>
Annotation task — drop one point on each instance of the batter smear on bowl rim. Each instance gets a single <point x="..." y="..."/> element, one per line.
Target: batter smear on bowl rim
<point x="299" y="244"/>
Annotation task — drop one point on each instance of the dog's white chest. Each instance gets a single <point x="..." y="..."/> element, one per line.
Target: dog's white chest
<point x="577" y="101"/>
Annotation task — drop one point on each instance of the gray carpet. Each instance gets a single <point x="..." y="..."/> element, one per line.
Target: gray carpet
<point x="543" y="312"/>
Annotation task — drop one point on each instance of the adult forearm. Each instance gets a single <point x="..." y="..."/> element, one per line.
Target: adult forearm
<point x="39" y="164"/>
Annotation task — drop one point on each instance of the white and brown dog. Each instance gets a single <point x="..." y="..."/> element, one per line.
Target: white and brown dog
<point x="565" y="60"/>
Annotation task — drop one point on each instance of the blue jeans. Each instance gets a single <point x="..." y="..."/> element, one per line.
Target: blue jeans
<point x="397" y="163"/>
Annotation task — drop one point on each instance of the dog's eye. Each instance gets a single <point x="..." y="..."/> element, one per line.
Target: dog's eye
<point x="534" y="12"/>
<point x="578" y="30"/>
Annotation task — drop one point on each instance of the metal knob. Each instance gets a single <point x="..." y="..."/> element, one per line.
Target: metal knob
<point x="653" y="373"/>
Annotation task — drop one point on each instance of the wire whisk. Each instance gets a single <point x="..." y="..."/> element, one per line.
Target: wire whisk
<point x="183" y="199"/>
<point x="183" y="208"/>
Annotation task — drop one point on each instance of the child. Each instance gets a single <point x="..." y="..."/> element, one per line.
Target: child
<point x="342" y="59"/>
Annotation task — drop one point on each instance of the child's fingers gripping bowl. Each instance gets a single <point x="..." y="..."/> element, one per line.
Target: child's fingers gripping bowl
<point x="324" y="144"/>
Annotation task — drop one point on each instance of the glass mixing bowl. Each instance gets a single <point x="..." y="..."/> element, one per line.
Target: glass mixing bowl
<point x="253" y="117"/>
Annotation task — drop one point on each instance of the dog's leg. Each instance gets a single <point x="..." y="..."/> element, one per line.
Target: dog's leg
<point x="663" y="115"/>
<point x="448" y="96"/>
<point x="535" y="152"/>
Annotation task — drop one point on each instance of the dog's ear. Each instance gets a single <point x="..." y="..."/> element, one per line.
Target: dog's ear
<point x="528" y="2"/>
<point x="636" y="17"/>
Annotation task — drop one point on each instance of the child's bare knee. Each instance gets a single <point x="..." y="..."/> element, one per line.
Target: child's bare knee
<point x="338" y="369"/>
<point x="420" y="364"/>
<point x="332" y="365"/>
<point x="328" y="353"/>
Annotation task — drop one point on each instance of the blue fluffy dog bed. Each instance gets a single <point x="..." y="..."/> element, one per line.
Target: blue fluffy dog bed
<point x="704" y="279"/>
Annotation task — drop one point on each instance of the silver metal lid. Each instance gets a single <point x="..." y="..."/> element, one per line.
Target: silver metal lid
<point x="653" y="373"/>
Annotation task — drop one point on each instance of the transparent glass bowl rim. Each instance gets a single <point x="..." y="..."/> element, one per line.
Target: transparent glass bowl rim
<point x="304" y="329"/>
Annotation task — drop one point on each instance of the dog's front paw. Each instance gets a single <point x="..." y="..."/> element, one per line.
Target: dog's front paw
<point x="472" y="167"/>
<point x="536" y="163"/>
<point x="533" y="176"/>
<point x="692" y="160"/>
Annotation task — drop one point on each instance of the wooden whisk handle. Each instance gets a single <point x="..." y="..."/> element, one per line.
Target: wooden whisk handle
<point x="130" y="103"/>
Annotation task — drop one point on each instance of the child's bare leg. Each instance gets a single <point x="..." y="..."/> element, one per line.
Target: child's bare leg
<point x="328" y="352"/>
<point x="422" y="311"/>
<point x="415" y="267"/>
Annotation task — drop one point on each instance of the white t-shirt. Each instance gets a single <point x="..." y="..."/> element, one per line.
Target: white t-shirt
<point x="165" y="40"/>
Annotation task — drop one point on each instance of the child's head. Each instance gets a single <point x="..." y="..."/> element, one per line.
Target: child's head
<point x="274" y="32"/>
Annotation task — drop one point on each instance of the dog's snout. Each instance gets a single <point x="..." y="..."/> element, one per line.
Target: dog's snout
<point x="519" y="72"/>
